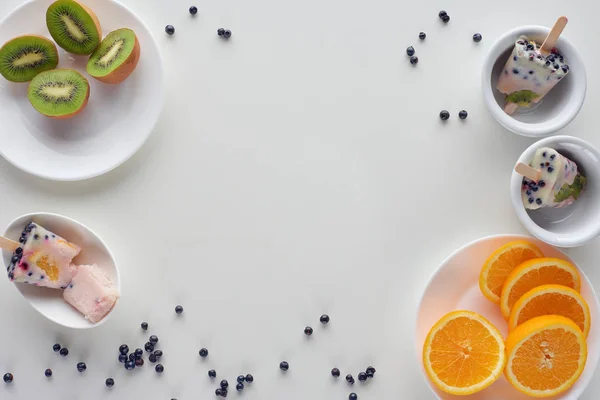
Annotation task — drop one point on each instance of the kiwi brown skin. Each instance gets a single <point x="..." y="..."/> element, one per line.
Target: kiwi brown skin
<point x="120" y="74"/>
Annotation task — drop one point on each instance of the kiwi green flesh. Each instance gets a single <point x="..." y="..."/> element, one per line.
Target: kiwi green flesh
<point x="22" y="58"/>
<point x="112" y="52"/>
<point x="72" y="27"/>
<point x="58" y="92"/>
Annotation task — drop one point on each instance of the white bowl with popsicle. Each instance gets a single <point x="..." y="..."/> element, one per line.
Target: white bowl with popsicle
<point x="46" y="266"/>
<point x="564" y="218"/>
<point x="511" y="66"/>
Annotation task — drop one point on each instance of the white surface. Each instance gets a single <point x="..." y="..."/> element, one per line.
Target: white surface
<point x="50" y="302"/>
<point x="463" y="267"/>
<point x="284" y="180"/>
<point x="557" y="109"/>
<point x="116" y="121"/>
<point x="569" y="226"/>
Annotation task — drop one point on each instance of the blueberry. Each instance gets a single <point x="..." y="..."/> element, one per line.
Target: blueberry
<point x="528" y="192"/>
<point x="219" y="392"/>
<point x="241" y="379"/>
<point x="122" y="358"/>
<point x="139" y="362"/>
<point x="153" y="339"/>
<point x="159" y="368"/>
<point x="515" y="58"/>
<point x="422" y="35"/>
<point x="563" y="68"/>
<point x="212" y="373"/>
<point x="550" y="169"/>
<point x="538" y="202"/>
<point x="350" y="379"/>
<point x="463" y="114"/>
<point x="227" y="34"/>
<point x="414" y="60"/>
<point x="193" y="10"/>
<point x="535" y="188"/>
<point x="370" y="370"/>
<point x="132" y="357"/>
<point x="530" y="72"/>
<point x="178" y="309"/>
<point x="170" y="29"/>
<point x="139" y="353"/>
<point x="239" y="387"/>
<point x="477" y="37"/>
<point x="529" y="46"/>
<point x="149" y="347"/>
<point x="220" y="31"/>
<point x="541" y="183"/>
<point x="352" y="396"/>
<point x="442" y="14"/>
<point x="444" y="115"/>
<point x="362" y="376"/>
<point x="552" y="156"/>
<point x="515" y="71"/>
<point x="145" y="326"/>
<point x="56" y="347"/>
<point x="284" y="366"/>
<point x="203" y="352"/>
<point x="530" y="200"/>
<point x="129" y="365"/>
<point x="48" y="373"/>
<point x="249" y="378"/>
<point x="446" y="19"/>
<point x="64" y="352"/>
<point x="8" y="378"/>
<point x="335" y="373"/>
<point x="110" y="382"/>
<point x="324" y="319"/>
<point x="36" y="236"/>
<point x="158" y="354"/>
<point x="308" y="331"/>
<point x="556" y="66"/>
<point x="81" y="367"/>
<point x="224" y="384"/>
<point x="124" y="349"/>
<point x="410" y="50"/>
<point x="548" y="63"/>
<point x="152" y="358"/>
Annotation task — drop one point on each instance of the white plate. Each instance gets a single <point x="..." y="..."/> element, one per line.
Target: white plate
<point x="455" y="286"/>
<point x="116" y="122"/>
<point x="50" y="302"/>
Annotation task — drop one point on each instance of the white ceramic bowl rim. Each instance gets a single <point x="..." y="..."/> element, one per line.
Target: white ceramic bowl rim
<point x="523" y="128"/>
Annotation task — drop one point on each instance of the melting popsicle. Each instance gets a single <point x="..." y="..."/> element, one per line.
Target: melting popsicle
<point x="91" y="292"/>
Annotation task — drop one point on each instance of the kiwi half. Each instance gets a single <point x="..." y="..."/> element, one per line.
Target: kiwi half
<point x="73" y="26"/>
<point x="116" y="57"/>
<point x="59" y="93"/>
<point x="24" y="57"/>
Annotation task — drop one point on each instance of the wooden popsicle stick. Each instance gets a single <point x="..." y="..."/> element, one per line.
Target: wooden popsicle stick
<point x="8" y="244"/>
<point x="553" y="35"/>
<point x="528" y="172"/>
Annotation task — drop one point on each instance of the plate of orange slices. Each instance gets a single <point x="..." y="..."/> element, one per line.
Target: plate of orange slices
<point x="508" y="317"/>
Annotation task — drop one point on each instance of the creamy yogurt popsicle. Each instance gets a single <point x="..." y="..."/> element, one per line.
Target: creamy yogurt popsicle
<point x="44" y="259"/>
<point x="91" y="292"/>
<point x="560" y="182"/>
<point x="528" y="75"/>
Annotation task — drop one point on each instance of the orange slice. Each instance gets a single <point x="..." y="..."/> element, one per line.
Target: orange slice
<point x="533" y="273"/>
<point x="501" y="263"/>
<point x="548" y="300"/>
<point x="463" y="353"/>
<point x="545" y="356"/>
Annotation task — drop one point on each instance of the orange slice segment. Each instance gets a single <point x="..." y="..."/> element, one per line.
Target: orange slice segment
<point x="545" y="356"/>
<point x="501" y="263"/>
<point x="551" y="300"/>
<point x="463" y="353"/>
<point x="533" y="273"/>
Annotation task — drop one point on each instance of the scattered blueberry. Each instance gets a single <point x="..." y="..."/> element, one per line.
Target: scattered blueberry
<point x="81" y="367"/>
<point x="124" y="349"/>
<point x="422" y="35"/>
<point x="249" y="378"/>
<point x="239" y="387"/>
<point x="193" y="10"/>
<point x="153" y="339"/>
<point x="224" y="384"/>
<point x="159" y="368"/>
<point x="139" y="362"/>
<point x="56" y="347"/>
<point x="152" y="358"/>
<point x="170" y="29"/>
<point x="362" y="376"/>
<point x="8" y="378"/>
<point x="129" y="365"/>
<point x="241" y="379"/>
<point x="149" y="347"/>
<point x="446" y="19"/>
<point x="212" y="373"/>
<point x="145" y="326"/>
<point x="110" y="382"/>
<point x="132" y="357"/>
<point x="203" y="352"/>
<point x="442" y="14"/>
<point x="414" y="60"/>
<point x="477" y="37"/>
<point x="308" y="331"/>
<point x="350" y="379"/>
<point x="335" y="372"/>
<point x="444" y="115"/>
<point x="139" y="353"/>
<point x="352" y="396"/>
<point x="227" y="34"/>
<point x="219" y="392"/>
<point x="410" y="51"/>
<point x="48" y="373"/>
<point x="220" y="31"/>
<point x="284" y="366"/>
<point x="122" y="358"/>
<point x="324" y="319"/>
<point x="463" y="114"/>
<point x="158" y="354"/>
<point x="371" y="370"/>
<point x="64" y="352"/>
<point x="178" y="309"/>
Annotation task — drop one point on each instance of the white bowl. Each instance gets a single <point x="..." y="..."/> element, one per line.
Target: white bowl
<point x="569" y="226"/>
<point x="116" y="122"/>
<point x="50" y="302"/>
<point x="557" y="108"/>
<point x="455" y="286"/>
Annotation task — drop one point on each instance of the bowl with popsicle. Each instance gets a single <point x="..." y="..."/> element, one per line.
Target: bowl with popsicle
<point x="534" y="80"/>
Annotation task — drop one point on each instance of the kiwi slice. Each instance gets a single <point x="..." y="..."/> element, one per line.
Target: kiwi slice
<point x="116" y="57"/>
<point x="522" y="98"/>
<point x="24" y="57"/>
<point x="59" y="93"/>
<point x="73" y="26"/>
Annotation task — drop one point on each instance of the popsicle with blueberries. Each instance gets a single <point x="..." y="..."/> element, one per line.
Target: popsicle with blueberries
<point x="532" y="71"/>
<point x="559" y="183"/>
<point x="42" y="258"/>
<point x="91" y="292"/>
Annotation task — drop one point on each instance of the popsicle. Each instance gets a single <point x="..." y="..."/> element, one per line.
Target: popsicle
<point x="560" y="182"/>
<point x="91" y="292"/>
<point x="42" y="259"/>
